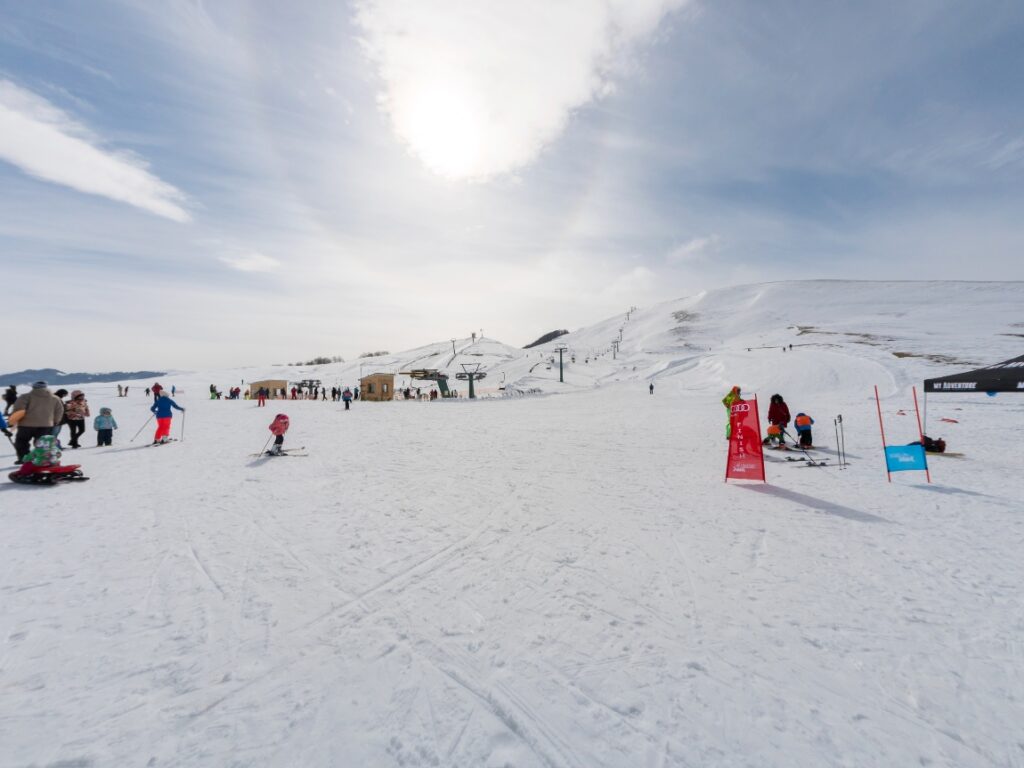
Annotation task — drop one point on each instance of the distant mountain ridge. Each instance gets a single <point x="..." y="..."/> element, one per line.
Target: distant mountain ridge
<point x="53" y="376"/>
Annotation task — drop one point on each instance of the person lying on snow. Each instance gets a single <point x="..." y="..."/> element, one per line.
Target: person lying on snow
<point x="930" y="445"/>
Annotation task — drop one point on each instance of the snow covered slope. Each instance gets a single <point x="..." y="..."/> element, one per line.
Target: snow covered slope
<point x="543" y="581"/>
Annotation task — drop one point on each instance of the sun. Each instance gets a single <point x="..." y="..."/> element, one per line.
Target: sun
<point x="443" y="125"/>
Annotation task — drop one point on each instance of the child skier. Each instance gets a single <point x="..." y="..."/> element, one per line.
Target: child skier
<point x="42" y="464"/>
<point x="104" y="425"/>
<point x="774" y="438"/>
<point x="162" y="408"/>
<point x="278" y="427"/>
<point x="346" y="397"/>
<point x="803" y="423"/>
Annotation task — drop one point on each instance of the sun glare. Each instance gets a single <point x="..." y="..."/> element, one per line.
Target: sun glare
<point x="444" y="128"/>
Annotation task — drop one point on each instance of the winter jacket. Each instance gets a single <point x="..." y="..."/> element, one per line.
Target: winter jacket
<point x="803" y="422"/>
<point x="346" y="395"/>
<point x="42" y="409"/>
<point x="77" y="410"/>
<point x="104" y="421"/>
<point x="279" y="425"/>
<point x="162" y="407"/>
<point x="732" y="397"/>
<point x="778" y="413"/>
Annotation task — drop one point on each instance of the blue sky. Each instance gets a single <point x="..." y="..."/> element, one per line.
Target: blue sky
<point x="188" y="184"/>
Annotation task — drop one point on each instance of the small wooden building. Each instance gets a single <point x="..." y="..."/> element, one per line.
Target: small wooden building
<point x="377" y="387"/>
<point x="278" y="388"/>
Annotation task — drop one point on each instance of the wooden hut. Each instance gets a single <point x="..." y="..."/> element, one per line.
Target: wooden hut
<point x="377" y="387"/>
<point x="278" y="388"/>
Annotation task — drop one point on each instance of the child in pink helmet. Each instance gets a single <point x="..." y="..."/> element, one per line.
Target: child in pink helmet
<point x="278" y="427"/>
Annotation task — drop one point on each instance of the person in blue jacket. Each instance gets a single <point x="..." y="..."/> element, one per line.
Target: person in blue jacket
<point x="162" y="408"/>
<point x="803" y="423"/>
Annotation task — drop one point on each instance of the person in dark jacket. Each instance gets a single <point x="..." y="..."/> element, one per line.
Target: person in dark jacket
<point x="162" y="408"/>
<point x="778" y="416"/>
<point x="10" y="396"/>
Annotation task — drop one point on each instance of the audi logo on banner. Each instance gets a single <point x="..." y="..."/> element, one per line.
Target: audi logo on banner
<point x="741" y="408"/>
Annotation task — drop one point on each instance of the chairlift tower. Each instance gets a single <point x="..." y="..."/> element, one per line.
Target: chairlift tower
<point x="561" y="349"/>
<point x="471" y="375"/>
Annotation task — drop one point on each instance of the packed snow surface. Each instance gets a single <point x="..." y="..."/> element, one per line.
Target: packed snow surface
<point x="555" y="575"/>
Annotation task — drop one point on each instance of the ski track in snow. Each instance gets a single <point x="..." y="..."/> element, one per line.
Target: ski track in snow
<point x="541" y="581"/>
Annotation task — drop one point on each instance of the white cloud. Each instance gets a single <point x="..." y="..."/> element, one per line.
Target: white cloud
<point x="477" y="88"/>
<point x="253" y="261"/>
<point x="45" y="142"/>
<point x="693" y="249"/>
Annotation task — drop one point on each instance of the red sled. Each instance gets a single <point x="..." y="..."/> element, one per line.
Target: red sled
<point x="30" y="474"/>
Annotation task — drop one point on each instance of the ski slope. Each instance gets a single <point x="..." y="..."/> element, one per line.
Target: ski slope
<point x="558" y="578"/>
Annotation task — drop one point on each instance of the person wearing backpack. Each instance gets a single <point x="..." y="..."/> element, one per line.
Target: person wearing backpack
<point x="346" y="396"/>
<point x="803" y="423"/>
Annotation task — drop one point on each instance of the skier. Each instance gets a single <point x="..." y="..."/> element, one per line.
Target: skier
<point x="77" y="411"/>
<point x="803" y="423"/>
<point x="774" y="438"/>
<point x="355" y="393"/>
<point x="120" y="391"/>
<point x="35" y="413"/>
<point x="147" y="391"/>
<point x="651" y="388"/>
<point x="346" y="396"/>
<point x="162" y="408"/>
<point x="261" y="398"/>
<point x="727" y="401"/>
<point x="278" y="427"/>
<point x="104" y="425"/>
<point x="778" y="416"/>
<point x="10" y="395"/>
<point x="174" y="389"/>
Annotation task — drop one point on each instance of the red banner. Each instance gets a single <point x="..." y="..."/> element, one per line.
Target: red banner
<point x="746" y="460"/>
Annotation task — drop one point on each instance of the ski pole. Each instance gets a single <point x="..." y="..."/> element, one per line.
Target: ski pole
<point x="140" y="429"/>
<point x="842" y="439"/>
<point x="264" y="448"/>
<point x="805" y="453"/>
<point x="835" y="421"/>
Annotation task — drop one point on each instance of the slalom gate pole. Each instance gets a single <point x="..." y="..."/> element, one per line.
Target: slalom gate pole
<point x="182" y="438"/>
<point x="927" y="473"/>
<point x="881" y="426"/>
<point x="140" y="429"/>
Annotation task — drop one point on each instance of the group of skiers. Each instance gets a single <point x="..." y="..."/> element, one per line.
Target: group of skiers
<point x="778" y="422"/>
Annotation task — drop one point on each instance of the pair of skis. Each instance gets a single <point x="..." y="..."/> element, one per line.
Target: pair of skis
<point x="285" y="452"/>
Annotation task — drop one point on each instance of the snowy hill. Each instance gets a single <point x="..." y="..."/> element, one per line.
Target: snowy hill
<point x="543" y="581"/>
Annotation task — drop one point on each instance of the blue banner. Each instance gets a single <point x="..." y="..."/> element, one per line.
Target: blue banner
<point x="899" y="458"/>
